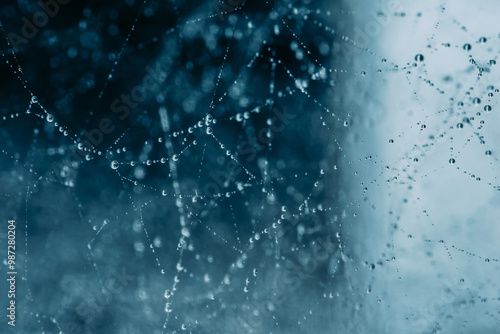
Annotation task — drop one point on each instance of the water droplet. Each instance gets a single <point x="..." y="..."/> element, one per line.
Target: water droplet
<point x="452" y="161"/>
<point x="467" y="47"/>
<point x="168" y="308"/>
<point x="115" y="164"/>
<point x="487" y="152"/>
<point x="34" y="99"/>
<point x="419" y="57"/>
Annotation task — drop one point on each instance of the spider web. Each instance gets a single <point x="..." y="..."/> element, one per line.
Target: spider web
<point x="252" y="167"/>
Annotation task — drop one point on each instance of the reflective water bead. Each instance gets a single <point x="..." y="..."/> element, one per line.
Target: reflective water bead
<point x="419" y="58"/>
